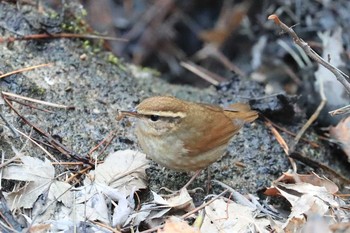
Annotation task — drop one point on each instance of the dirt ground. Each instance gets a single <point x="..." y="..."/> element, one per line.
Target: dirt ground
<point x="97" y="88"/>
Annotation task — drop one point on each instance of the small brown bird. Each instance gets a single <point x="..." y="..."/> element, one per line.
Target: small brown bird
<point x="186" y="136"/>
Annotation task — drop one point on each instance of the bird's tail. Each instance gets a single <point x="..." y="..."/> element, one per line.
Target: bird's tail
<point x="241" y="111"/>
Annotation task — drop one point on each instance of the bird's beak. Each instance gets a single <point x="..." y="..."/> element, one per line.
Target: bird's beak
<point x="122" y="114"/>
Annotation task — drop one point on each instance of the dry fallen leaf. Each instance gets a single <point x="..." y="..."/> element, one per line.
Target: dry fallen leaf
<point x="341" y="133"/>
<point x="222" y="216"/>
<point x="121" y="170"/>
<point x="40" y="178"/>
<point x="312" y="178"/>
<point x="180" y="201"/>
<point x="316" y="223"/>
<point x="308" y="199"/>
<point x="117" y="178"/>
<point x="176" y="225"/>
<point x="90" y="204"/>
<point x="155" y="211"/>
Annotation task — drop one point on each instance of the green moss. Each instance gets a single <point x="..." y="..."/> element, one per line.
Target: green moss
<point x="86" y="45"/>
<point x="84" y="12"/>
<point x="53" y="15"/>
<point x="36" y="90"/>
<point x="154" y="72"/>
<point x="76" y="23"/>
<point x="113" y="59"/>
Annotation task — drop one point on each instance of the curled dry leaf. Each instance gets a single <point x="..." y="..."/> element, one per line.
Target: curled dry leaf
<point x="312" y="178"/>
<point x="181" y="201"/>
<point x="341" y="133"/>
<point x="154" y="212"/>
<point x="314" y="198"/>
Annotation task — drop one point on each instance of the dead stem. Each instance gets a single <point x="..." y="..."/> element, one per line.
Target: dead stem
<point x="340" y="75"/>
<point x="24" y="69"/>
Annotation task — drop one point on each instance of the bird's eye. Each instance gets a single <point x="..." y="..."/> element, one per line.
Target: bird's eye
<point x="154" y="118"/>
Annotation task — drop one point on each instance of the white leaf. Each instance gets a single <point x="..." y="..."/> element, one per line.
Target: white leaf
<point x="32" y="169"/>
<point x="40" y="177"/>
<point x="94" y="209"/>
<point x="122" y="170"/>
<point x="231" y="217"/>
<point x="122" y="211"/>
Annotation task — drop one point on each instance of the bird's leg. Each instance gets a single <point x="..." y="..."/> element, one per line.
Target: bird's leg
<point x="208" y="179"/>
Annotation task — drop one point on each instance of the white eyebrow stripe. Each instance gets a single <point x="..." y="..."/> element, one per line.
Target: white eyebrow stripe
<point x="163" y="113"/>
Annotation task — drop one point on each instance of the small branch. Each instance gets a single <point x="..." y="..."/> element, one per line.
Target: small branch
<point x="340" y="111"/>
<point x="341" y="76"/>
<point x="203" y="73"/>
<point x="37" y="101"/>
<point x="312" y="143"/>
<point x="5" y="213"/>
<point x="312" y="118"/>
<point x="203" y="205"/>
<point x="24" y="69"/>
<point x="15" y="134"/>
<point x="282" y="143"/>
<point x="55" y="143"/>
<point x="29" y="105"/>
<point x="60" y="35"/>
<point x="107" y="141"/>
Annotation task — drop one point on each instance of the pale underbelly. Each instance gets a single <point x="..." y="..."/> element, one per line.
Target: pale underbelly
<point x="171" y="154"/>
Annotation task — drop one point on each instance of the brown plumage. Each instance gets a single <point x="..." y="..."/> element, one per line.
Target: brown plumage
<point x="187" y="136"/>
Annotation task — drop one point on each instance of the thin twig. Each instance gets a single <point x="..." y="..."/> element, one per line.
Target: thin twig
<point x="312" y="143"/>
<point x="203" y="205"/>
<point x="227" y="63"/>
<point x="37" y="101"/>
<point x="105" y="226"/>
<point x="339" y="111"/>
<point x="11" y="223"/>
<point x="337" y="177"/>
<point x="30" y="106"/>
<point x="107" y="140"/>
<point x="68" y="163"/>
<point x="341" y="76"/>
<point x="33" y="141"/>
<point x="24" y="69"/>
<point x="80" y="172"/>
<point x="282" y="142"/>
<point x="203" y="73"/>
<point x="58" y="146"/>
<point x="15" y="134"/>
<point x="312" y="118"/>
<point x="3" y="164"/>
<point x="60" y="35"/>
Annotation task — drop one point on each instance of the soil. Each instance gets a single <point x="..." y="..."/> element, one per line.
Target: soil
<point x="97" y="88"/>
